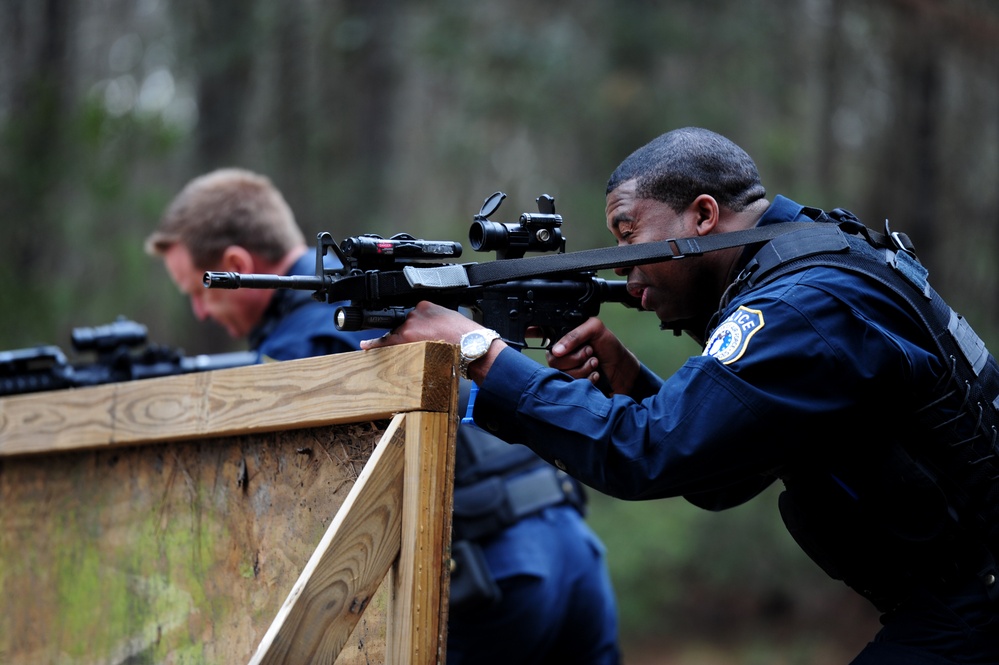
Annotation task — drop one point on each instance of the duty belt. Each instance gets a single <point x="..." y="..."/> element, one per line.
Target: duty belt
<point x="501" y="501"/>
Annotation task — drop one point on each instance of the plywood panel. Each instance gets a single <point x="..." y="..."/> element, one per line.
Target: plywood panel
<point x="180" y="552"/>
<point x="340" y="579"/>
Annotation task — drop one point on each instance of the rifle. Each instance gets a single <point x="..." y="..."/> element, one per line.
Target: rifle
<point x="377" y="281"/>
<point x="116" y="358"/>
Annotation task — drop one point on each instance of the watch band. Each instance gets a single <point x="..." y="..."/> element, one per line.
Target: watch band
<point x="473" y="346"/>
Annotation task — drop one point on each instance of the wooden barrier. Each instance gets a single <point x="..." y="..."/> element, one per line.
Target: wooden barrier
<point x="246" y="515"/>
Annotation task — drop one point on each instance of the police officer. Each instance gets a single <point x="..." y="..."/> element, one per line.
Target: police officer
<point x="829" y="364"/>
<point x="236" y="221"/>
<point x="529" y="583"/>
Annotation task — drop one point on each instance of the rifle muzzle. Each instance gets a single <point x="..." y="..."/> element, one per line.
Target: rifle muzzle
<point x="221" y="280"/>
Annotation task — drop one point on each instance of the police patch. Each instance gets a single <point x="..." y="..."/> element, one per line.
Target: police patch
<point x="729" y="340"/>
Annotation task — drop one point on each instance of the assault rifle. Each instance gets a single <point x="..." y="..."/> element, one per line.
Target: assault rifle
<point x="116" y="358"/>
<point x="377" y="280"/>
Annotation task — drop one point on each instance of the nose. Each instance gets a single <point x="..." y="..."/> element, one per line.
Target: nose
<point x="621" y="272"/>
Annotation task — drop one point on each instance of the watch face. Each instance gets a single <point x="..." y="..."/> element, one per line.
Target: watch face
<point x="475" y="345"/>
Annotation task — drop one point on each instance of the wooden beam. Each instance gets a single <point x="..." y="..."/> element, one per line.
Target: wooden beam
<point x="346" y="569"/>
<point x="345" y="388"/>
<point x="419" y="611"/>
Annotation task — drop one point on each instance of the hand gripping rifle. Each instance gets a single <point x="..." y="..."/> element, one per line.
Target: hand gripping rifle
<point x="378" y="280"/>
<point x="116" y="358"/>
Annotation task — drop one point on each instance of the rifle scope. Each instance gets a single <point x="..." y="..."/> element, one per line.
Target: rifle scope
<point x="535" y="232"/>
<point x="401" y="246"/>
<point x="121" y="332"/>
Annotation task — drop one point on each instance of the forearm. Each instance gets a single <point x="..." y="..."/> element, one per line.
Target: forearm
<point x="666" y="444"/>
<point x="646" y="384"/>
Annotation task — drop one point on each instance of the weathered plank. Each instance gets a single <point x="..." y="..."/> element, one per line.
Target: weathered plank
<point x="418" y="618"/>
<point x="364" y="385"/>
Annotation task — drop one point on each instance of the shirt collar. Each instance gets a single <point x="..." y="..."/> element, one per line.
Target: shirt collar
<point x="783" y="209"/>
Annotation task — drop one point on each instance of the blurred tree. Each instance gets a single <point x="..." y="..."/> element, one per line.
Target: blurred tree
<point x="33" y="154"/>
<point x="223" y="37"/>
<point x="383" y="116"/>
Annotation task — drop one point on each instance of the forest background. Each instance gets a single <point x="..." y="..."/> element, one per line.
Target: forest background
<point x="385" y="116"/>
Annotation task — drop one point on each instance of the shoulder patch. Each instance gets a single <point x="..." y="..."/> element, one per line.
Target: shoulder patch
<point x="729" y="340"/>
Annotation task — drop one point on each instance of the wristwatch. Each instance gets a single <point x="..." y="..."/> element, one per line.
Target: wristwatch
<point x="474" y="345"/>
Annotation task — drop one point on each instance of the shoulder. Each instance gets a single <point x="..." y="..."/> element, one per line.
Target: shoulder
<point x="821" y="312"/>
<point x="832" y="291"/>
<point x="310" y="330"/>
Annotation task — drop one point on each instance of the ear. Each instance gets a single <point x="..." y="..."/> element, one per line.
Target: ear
<point x="707" y="213"/>
<point x="237" y="259"/>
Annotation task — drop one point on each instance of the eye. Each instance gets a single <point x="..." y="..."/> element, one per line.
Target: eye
<point x="623" y="225"/>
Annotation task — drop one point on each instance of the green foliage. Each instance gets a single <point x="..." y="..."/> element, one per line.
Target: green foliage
<point x="91" y="266"/>
<point x="648" y="543"/>
<point x="682" y="573"/>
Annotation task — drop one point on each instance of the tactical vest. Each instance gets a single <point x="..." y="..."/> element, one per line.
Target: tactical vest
<point x="931" y="516"/>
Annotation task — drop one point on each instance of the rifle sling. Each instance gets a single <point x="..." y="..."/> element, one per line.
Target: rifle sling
<point x="497" y="272"/>
<point x="414" y="280"/>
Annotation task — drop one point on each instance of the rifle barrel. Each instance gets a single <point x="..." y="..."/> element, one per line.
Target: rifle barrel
<point x="235" y="280"/>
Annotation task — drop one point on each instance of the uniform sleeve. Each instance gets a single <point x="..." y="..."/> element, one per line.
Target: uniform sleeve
<point x="797" y="360"/>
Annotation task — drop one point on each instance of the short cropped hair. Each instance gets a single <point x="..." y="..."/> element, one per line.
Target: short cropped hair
<point x="682" y="164"/>
<point x="223" y="208"/>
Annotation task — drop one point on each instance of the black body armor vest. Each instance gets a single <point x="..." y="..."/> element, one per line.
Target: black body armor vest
<point x="929" y="513"/>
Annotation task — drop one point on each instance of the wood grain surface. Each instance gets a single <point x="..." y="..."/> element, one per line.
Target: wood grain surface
<point x="179" y="552"/>
<point x="363" y="385"/>
<point x="174" y="520"/>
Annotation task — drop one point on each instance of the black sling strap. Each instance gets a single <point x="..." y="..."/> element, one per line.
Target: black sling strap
<point x="496" y="272"/>
<point x="412" y="280"/>
<point x="505" y="270"/>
